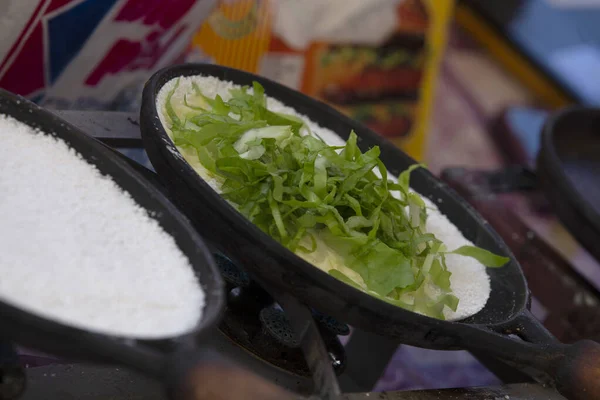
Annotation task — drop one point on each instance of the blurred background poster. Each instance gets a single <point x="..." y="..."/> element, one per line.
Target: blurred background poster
<point x="85" y="53"/>
<point x="376" y="61"/>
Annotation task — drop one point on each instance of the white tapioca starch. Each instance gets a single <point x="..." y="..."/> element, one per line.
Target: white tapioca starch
<point x="76" y="248"/>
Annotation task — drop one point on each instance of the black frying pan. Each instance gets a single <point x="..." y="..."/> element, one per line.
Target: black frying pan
<point x="175" y="359"/>
<point x="575" y="369"/>
<point x="568" y="168"/>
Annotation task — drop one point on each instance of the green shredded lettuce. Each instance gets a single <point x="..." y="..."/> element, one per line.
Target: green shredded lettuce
<point x="485" y="257"/>
<point x="294" y="186"/>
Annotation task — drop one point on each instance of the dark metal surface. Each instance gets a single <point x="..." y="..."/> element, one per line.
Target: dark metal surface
<point x="366" y="348"/>
<point x="311" y="342"/>
<point x="568" y="167"/>
<point x="12" y="374"/>
<point x="111" y="127"/>
<point x="508" y="179"/>
<point x="523" y="391"/>
<point x="85" y="382"/>
<point x="554" y="282"/>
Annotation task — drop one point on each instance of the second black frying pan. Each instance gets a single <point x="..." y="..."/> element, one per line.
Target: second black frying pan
<point x="575" y="369"/>
<point x="568" y="168"/>
<point x="190" y="371"/>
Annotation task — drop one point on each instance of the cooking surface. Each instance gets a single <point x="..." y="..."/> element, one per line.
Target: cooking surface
<point x="357" y="353"/>
<point x="85" y="382"/>
<point x="585" y="178"/>
<point x="349" y="381"/>
<point x="352" y="381"/>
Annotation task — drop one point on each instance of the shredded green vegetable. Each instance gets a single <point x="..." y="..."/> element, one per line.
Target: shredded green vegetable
<point x="298" y="189"/>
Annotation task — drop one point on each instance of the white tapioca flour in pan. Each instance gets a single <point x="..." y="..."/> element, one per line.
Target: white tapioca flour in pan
<point x="76" y="248"/>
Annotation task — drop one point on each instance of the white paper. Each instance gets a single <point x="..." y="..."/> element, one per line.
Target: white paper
<point x="298" y="23"/>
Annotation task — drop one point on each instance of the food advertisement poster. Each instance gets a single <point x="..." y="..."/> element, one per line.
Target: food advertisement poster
<point x="375" y="61"/>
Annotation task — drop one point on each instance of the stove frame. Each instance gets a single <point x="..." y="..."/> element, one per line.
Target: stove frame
<point x="121" y="130"/>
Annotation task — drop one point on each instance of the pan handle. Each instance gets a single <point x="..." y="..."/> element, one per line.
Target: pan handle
<point x="530" y="329"/>
<point x="574" y="368"/>
<point x="576" y="372"/>
<point x="203" y="374"/>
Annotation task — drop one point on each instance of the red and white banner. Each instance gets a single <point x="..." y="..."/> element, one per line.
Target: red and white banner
<point x="66" y="53"/>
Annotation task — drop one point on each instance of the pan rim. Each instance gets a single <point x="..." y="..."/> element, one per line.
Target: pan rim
<point x="152" y="129"/>
<point x="551" y="162"/>
<point x="50" y="124"/>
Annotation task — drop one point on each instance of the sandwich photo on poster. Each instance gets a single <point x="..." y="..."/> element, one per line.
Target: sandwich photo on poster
<point x="378" y="85"/>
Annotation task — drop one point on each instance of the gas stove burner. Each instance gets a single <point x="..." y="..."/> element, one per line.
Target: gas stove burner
<point x="233" y="275"/>
<point x="331" y="325"/>
<point x="276" y="324"/>
<point x="242" y="292"/>
<point x="254" y="321"/>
